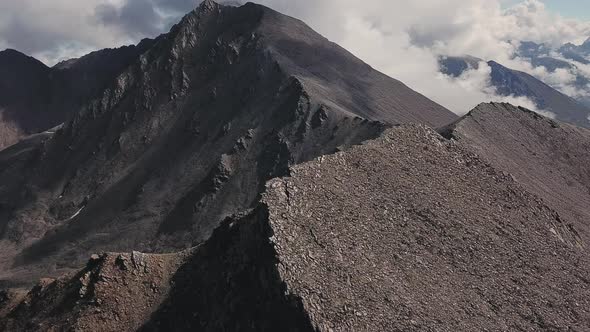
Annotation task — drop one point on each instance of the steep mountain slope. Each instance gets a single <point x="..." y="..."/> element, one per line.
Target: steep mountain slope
<point x="34" y="97"/>
<point x="408" y="232"/>
<point x="509" y="82"/>
<point x="548" y="158"/>
<point x="187" y="136"/>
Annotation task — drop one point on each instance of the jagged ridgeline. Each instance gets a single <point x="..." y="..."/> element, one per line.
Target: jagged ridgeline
<point x="187" y="135"/>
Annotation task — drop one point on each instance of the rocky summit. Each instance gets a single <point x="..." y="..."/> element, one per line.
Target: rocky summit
<point x="243" y="173"/>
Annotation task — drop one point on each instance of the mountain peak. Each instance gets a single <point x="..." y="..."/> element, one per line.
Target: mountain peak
<point x="10" y="51"/>
<point x="494" y="107"/>
<point x="585" y="47"/>
<point x="498" y="112"/>
<point x="11" y="55"/>
<point x="208" y="5"/>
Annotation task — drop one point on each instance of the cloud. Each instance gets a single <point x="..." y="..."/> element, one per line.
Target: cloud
<point x="400" y="38"/>
<point x="475" y="86"/>
<point x="141" y="18"/>
<point x="138" y="18"/>
<point x="51" y="30"/>
<point x="405" y="39"/>
<point x="572" y="81"/>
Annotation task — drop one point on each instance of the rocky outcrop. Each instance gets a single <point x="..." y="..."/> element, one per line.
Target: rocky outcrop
<point x="114" y="292"/>
<point x="406" y="232"/>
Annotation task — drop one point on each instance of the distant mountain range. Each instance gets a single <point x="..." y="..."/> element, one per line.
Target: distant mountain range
<point x="569" y="57"/>
<point x="510" y="82"/>
<point x="569" y="100"/>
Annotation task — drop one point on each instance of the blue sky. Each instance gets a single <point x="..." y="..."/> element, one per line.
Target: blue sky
<point x="579" y="9"/>
<point x="570" y="8"/>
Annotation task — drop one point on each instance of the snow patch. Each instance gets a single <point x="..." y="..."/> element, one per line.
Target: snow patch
<point x="76" y="214"/>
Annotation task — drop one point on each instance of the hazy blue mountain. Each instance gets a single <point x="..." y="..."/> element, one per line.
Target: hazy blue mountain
<point x="509" y="82"/>
<point x="568" y="57"/>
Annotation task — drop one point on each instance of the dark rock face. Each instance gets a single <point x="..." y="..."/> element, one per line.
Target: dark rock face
<point x="509" y="82"/>
<point x="548" y="158"/>
<point x="407" y="232"/>
<point x="34" y="97"/>
<point x="543" y="55"/>
<point x="188" y="135"/>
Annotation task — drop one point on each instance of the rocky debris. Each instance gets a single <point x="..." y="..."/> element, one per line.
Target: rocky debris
<point x="229" y="283"/>
<point x="547" y="157"/>
<point x="139" y="261"/>
<point x="103" y="296"/>
<point x="187" y="135"/>
<point x="408" y="232"/>
<point x="9" y="299"/>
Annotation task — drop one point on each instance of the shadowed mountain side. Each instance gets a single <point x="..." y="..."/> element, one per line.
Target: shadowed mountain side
<point x="23" y="89"/>
<point x="189" y="134"/>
